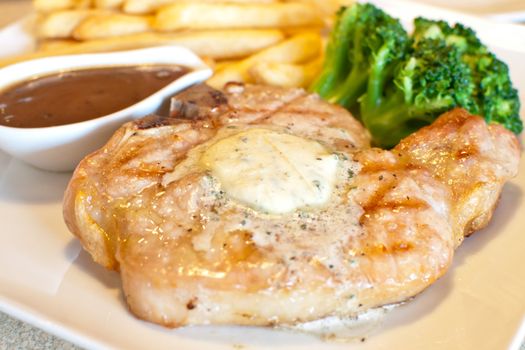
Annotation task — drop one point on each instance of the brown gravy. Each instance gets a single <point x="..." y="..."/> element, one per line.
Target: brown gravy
<point x="79" y="95"/>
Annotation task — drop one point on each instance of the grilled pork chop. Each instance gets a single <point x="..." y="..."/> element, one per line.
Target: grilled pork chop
<point x="266" y="206"/>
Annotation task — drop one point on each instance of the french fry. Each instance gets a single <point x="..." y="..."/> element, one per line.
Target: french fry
<point x="292" y="31"/>
<point x="55" y="5"/>
<point x="232" y="72"/>
<point x="55" y="44"/>
<point x="210" y="62"/>
<point x="144" y="6"/>
<point x="298" y="49"/>
<point x="61" y="24"/>
<point x="108" y="4"/>
<point x="52" y="5"/>
<point x="228" y="44"/>
<point x="223" y="64"/>
<point x="216" y="44"/>
<point x="111" y="24"/>
<point x="202" y="16"/>
<point x="285" y="74"/>
<point x="325" y="7"/>
<point x="150" y="6"/>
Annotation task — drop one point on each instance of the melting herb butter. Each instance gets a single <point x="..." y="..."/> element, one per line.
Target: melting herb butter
<point x="272" y="171"/>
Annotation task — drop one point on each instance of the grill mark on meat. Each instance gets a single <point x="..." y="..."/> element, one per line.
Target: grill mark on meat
<point x="369" y="168"/>
<point x="268" y="115"/>
<point x="155" y="121"/>
<point x="378" y="197"/>
<point x="377" y="201"/>
<point x="264" y="113"/>
<point x="398" y="247"/>
<point x="299" y="110"/>
<point x="393" y="205"/>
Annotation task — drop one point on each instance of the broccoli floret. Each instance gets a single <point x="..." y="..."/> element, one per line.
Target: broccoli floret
<point x="374" y="42"/>
<point x="431" y="80"/>
<point x="494" y="96"/>
<point x="397" y="83"/>
<point x="462" y="37"/>
<point x="498" y="99"/>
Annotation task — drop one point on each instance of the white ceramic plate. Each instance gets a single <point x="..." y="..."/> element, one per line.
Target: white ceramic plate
<point x="46" y="279"/>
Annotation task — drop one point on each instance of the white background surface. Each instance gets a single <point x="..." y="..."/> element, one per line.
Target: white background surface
<point x="499" y="9"/>
<point x="47" y="280"/>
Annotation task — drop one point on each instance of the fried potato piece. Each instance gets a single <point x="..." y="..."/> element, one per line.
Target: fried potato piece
<point x="326" y="7"/>
<point x="201" y="16"/>
<point x="111" y="24"/>
<point x="292" y="31"/>
<point x="224" y="63"/>
<point x="55" y="44"/>
<point x="227" y="44"/>
<point x="285" y="74"/>
<point x="150" y="6"/>
<point x="298" y="49"/>
<point x="61" y="24"/>
<point x="108" y="4"/>
<point x="144" y="6"/>
<point x="216" y="44"/>
<point x="55" y="5"/>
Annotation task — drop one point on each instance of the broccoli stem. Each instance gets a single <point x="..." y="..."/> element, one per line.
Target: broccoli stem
<point x="387" y="130"/>
<point x="337" y="64"/>
<point x="347" y="93"/>
<point x="371" y="77"/>
<point x="379" y="73"/>
<point x="354" y="85"/>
